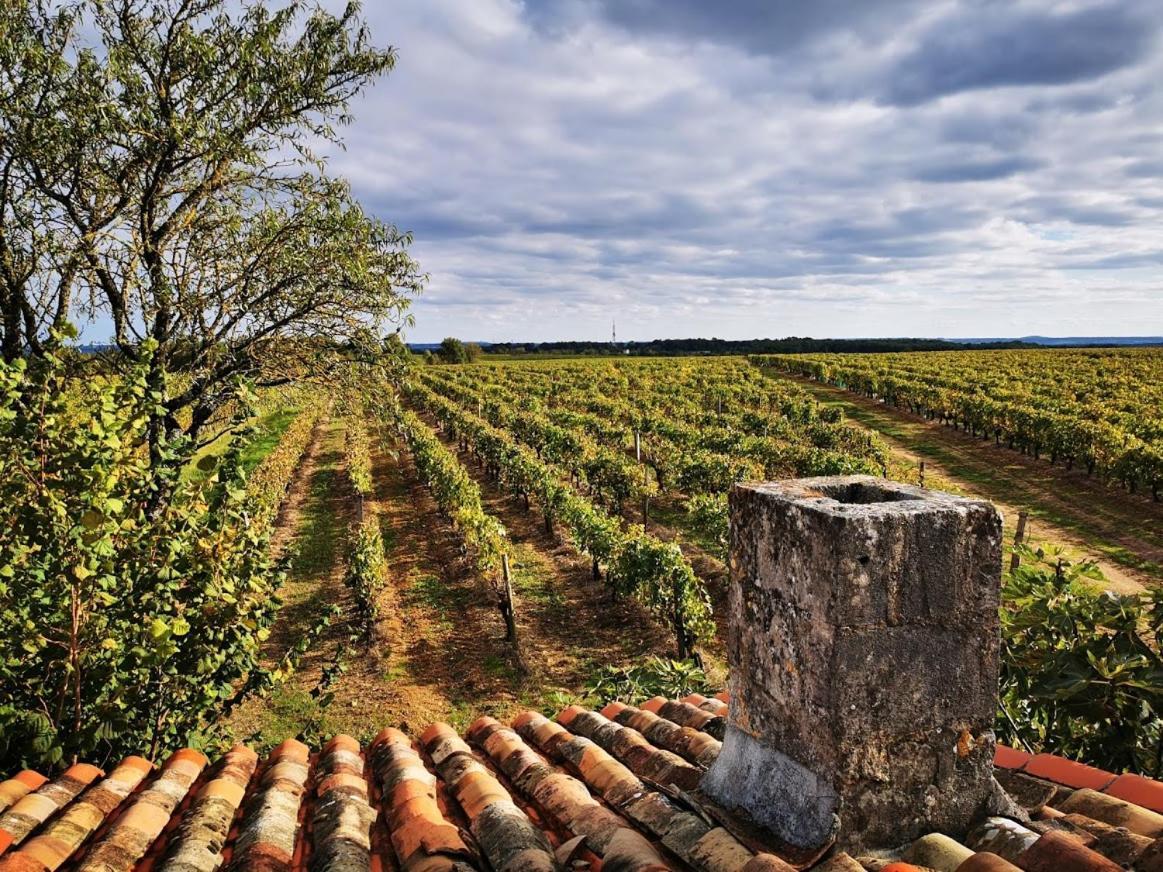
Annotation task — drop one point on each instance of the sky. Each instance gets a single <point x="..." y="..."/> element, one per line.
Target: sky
<point x="759" y="168"/>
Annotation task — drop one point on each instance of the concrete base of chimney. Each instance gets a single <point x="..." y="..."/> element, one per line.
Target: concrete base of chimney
<point x="863" y="646"/>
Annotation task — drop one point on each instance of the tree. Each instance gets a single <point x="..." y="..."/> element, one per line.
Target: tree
<point x="121" y="630"/>
<point x="160" y="175"/>
<point x="452" y="350"/>
<point x="37" y="275"/>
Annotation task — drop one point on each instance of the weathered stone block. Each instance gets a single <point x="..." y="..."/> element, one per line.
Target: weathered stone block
<point x="863" y="646"/>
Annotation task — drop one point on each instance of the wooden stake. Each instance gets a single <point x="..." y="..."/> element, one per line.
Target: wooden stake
<point x="638" y="445"/>
<point x="645" y="497"/>
<point x="922" y="473"/>
<point x="509" y="613"/>
<point x="1019" y="537"/>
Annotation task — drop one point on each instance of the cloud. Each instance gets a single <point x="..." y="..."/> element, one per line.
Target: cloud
<point x="757" y="26"/>
<point x="881" y="168"/>
<point x="998" y="45"/>
<point x="977" y="171"/>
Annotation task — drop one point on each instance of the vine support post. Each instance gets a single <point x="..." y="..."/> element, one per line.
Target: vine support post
<point x="680" y="631"/>
<point x="509" y="613"/>
<point x="1019" y="537"/>
<point x="638" y="445"/>
<point x="921" y="478"/>
<point x="645" y="497"/>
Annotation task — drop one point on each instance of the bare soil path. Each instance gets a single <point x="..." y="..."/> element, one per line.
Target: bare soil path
<point x="313" y="524"/>
<point x="1122" y="532"/>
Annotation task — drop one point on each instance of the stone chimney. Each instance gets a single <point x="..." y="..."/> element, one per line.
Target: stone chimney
<point x="863" y="648"/>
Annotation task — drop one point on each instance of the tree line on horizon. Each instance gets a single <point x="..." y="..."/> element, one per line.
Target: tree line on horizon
<point x="788" y="345"/>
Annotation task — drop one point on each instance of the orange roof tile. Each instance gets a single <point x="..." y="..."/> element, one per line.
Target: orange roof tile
<point x="1067" y="772"/>
<point x="19" y="786"/>
<point x="1010" y="758"/>
<point x="1141" y="791"/>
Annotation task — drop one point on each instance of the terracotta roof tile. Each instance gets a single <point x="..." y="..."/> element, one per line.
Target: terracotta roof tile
<point x="1141" y="791"/>
<point x="1151" y="860"/>
<point x="567" y="800"/>
<point x="937" y="851"/>
<point x="1056" y="852"/>
<point x="1115" y="812"/>
<point x="984" y="861"/>
<point x="197" y="845"/>
<point x="508" y="838"/>
<point x="714" y="705"/>
<point x="1067" y="772"/>
<point x="1032" y="794"/>
<point x="56" y="842"/>
<point x="19" y="786"/>
<point x="267" y="835"/>
<point x="342" y="818"/>
<point x="1010" y="758"/>
<point x="686" y="834"/>
<point x="1001" y="836"/>
<point x="33" y="809"/>
<point x="614" y="791"/>
<point x="631" y="747"/>
<point x="421" y="836"/>
<point x="128" y="839"/>
<point x="693" y="745"/>
<point x="686" y="715"/>
<point x="1115" y="843"/>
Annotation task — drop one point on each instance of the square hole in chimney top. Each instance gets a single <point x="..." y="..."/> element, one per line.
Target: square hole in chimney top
<point x="860" y="493"/>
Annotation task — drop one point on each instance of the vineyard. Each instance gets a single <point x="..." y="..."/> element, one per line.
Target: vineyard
<point x="1094" y="408"/>
<point x="425" y="537"/>
<point x="681" y="434"/>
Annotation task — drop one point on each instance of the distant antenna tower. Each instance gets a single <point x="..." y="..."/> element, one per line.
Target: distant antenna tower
<point x="613" y="333"/>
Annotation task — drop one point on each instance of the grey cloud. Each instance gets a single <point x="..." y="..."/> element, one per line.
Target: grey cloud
<point x="758" y="26"/>
<point x="1119" y="261"/>
<point x="977" y="171"/>
<point x="1006" y="132"/>
<point x="998" y="45"/>
<point x="1148" y="168"/>
<point x="1063" y="207"/>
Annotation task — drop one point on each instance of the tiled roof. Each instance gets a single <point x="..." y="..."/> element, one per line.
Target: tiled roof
<point x="615" y="790"/>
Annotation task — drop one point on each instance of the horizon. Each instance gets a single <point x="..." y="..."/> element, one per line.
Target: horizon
<point x="1137" y="338"/>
